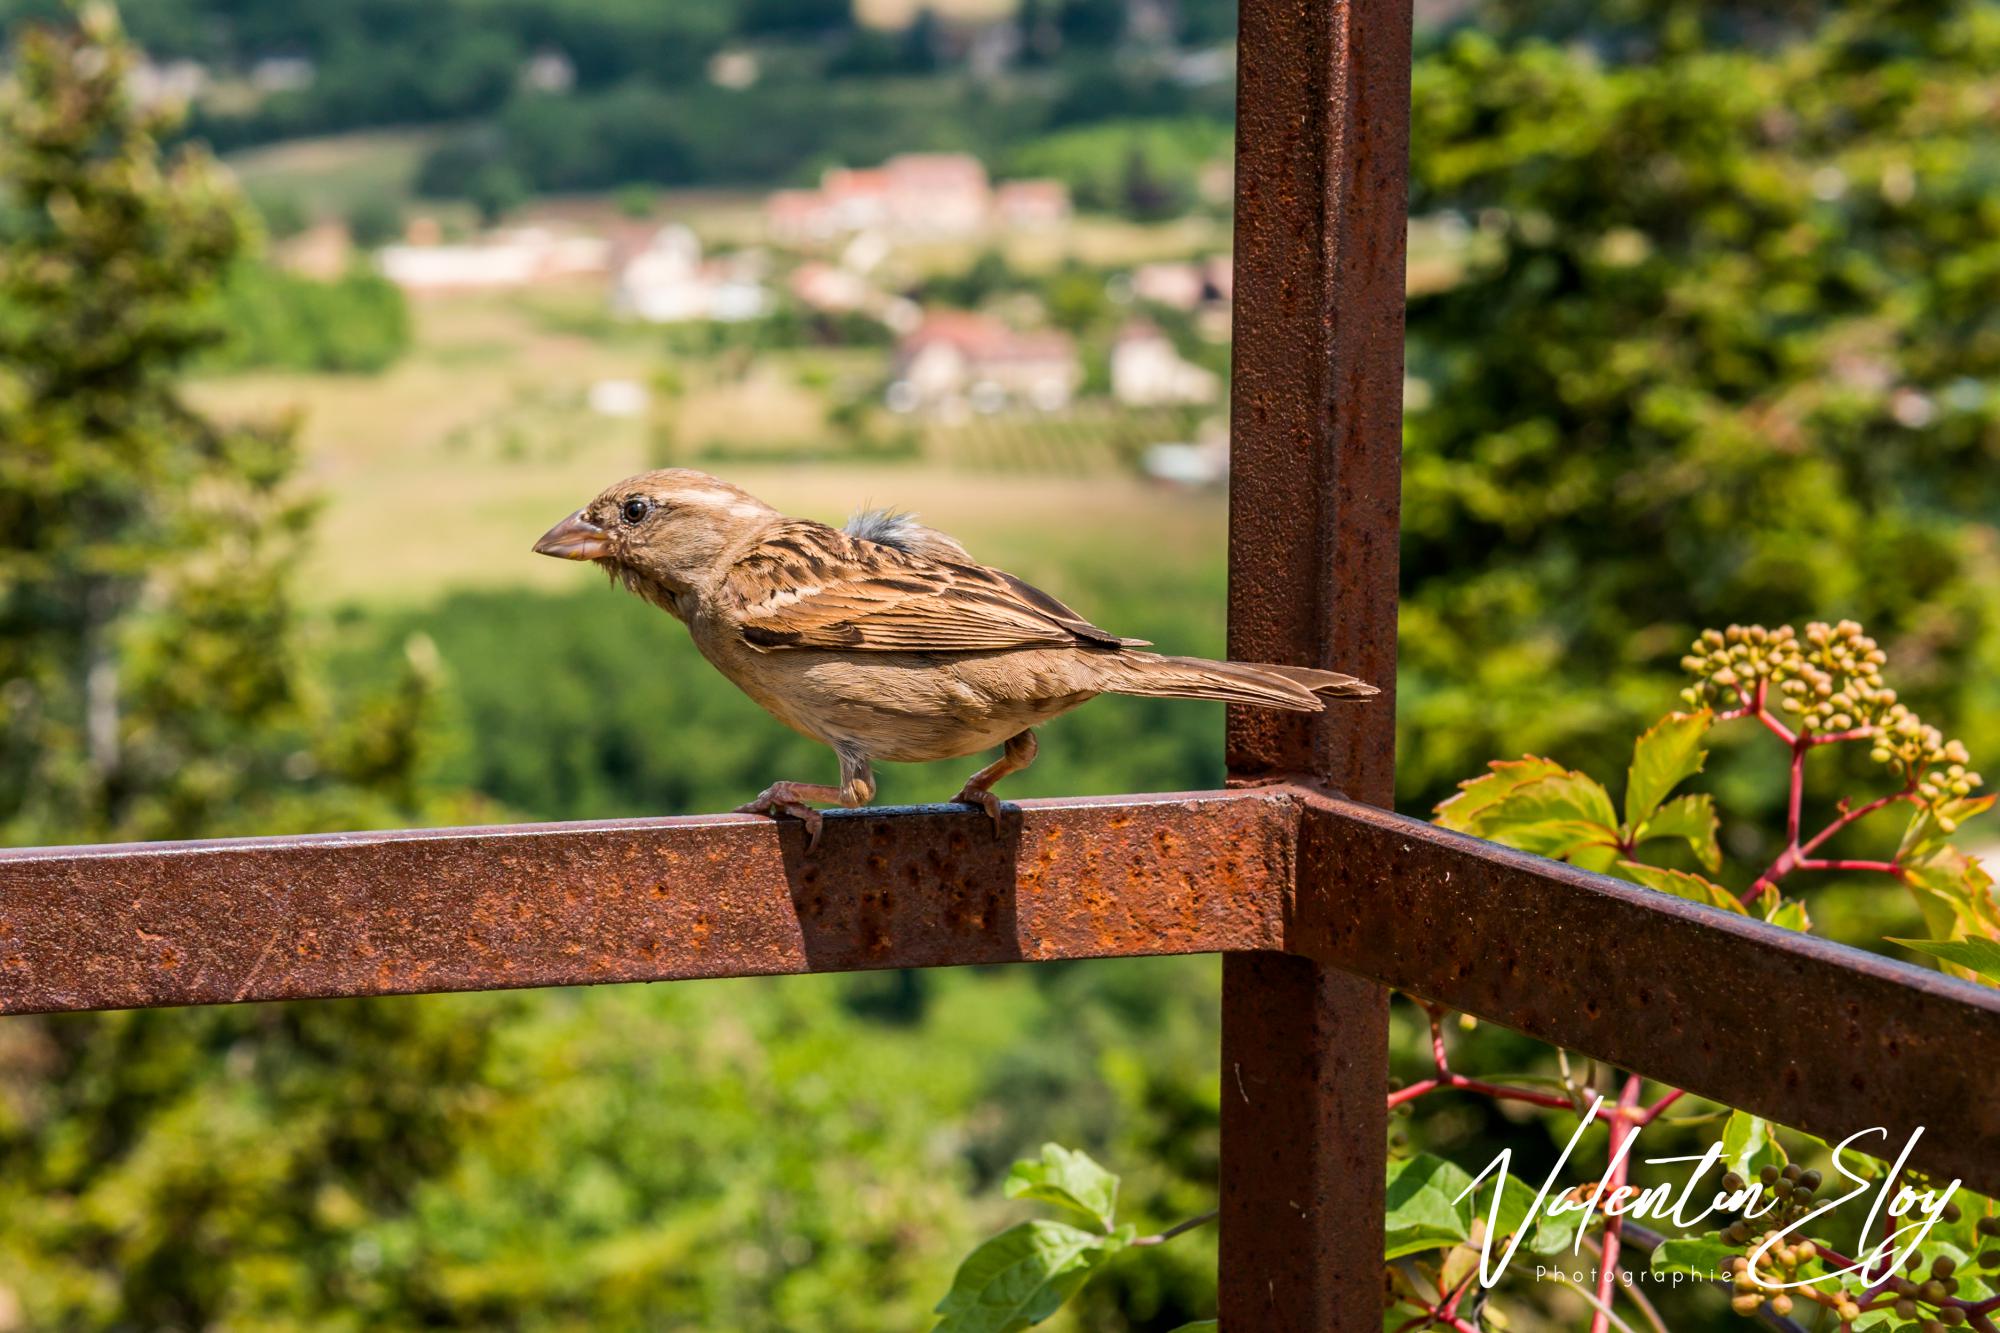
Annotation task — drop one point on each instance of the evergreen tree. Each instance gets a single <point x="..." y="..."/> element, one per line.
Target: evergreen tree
<point x="148" y="639"/>
<point x="176" y="1168"/>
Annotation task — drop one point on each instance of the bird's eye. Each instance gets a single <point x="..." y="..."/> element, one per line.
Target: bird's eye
<point x="635" y="509"/>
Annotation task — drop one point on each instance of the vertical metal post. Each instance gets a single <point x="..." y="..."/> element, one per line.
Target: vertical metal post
<point x="1322" y="153"/>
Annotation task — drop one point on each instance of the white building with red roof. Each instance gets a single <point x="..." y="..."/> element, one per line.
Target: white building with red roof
<point x="913" y="195"/>
<point x="955" y="358"/>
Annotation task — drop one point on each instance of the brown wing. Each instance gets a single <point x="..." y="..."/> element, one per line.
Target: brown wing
<point x="809" y="586"/>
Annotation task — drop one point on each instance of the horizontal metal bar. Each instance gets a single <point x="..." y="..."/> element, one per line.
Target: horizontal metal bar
<point x="1795" y="1028"/>
<point x="1809" y="1033"/>
<point x="137" y="925"/>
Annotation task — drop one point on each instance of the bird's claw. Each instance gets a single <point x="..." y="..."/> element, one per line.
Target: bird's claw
<point x="985" y="799"/>
<point x="773" y="804"/>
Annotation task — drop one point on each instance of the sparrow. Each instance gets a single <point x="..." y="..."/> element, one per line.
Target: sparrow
<point x="884" y="640"/>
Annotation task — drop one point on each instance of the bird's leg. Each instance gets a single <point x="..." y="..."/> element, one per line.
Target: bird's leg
<point x="857" y="787"/>
<point x="978" y="790"/>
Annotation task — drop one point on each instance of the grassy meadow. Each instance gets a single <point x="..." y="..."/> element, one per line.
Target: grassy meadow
<point x="436" y="476"/>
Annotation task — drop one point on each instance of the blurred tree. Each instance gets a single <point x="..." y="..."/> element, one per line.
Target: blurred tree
<point x="375" y="220"/>
<point x="496" y="190"/>
<point x="188" y="1167"/>
<point x="356" y="323"/>
<point x="147" y="635"/>
<point x="1725" y="349"/>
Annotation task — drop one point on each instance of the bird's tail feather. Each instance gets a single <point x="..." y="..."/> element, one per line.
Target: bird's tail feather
<point x="1300" y="689"/>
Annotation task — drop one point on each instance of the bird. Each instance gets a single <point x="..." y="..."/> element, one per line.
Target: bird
<point x="885" y="640"/>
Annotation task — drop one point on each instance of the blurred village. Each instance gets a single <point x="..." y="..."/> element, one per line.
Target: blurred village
<point x="952" y="313"/>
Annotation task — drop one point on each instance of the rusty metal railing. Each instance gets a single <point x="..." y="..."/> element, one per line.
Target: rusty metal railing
<point x="1318" y="902"/>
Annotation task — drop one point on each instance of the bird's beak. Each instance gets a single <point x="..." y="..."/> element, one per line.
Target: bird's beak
<point x="575" y="538"/>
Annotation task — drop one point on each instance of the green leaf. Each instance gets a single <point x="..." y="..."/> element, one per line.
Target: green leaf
<point x="1665" y="756"/>
<point x="1981" y="956"/>
<point x="1562" y="815"/>
<point x="1476" y="794"/>
<point x="1928" y="829"/>
<point x="1682" y="884"/>
<point x="1068" y="1179"/>
<point x="1421" y="1213"/>
<point x="1701" y="1256"/>
<point x="1691" y="819"/>
<point x="1516" y="1202"/>
<point x="1198" y="1326"/>
<point x="1787" y="912"/>
<point x="1553" y="1235"/>
<point x="1748" y="1145"/>
<point x="1949" y="872"/>
<point x="1021" y="1277"/>
<point x="1568" y="797"/>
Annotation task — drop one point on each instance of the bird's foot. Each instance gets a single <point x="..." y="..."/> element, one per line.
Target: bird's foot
<point x="984" y="798"/>
<point x="781" y="798"/>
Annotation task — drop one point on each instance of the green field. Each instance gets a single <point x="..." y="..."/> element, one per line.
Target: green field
<point x="330" y="176"/>
<point x="439" y="473"/>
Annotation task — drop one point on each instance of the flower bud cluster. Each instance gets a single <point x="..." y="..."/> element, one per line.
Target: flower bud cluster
<point x="1829" y="681"/>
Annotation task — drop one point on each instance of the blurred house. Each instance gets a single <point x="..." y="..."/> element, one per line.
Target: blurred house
<point x="619" y="398"/>
<point x="839" y="290"/>
<point x="283" y="74"/>
<point x="830" y="289"/>
<point x="667" y="282"/>
<point x="548" y="71"/>
<point x="955" y="359"/>
<point x="510" y="258"/>
<point x="172" y="83"/>
<point x="1147" y="371"/>
<point x="322" y="251"/>
<point x="913" y="195"/>
<point x="1030" y="205"/>
<point x="1186" y="286"/>
<point x="1205" y="464"/>
<point x="734" y="69"/>
<point x="800" y="217"/>
<point x="937" y="194"/>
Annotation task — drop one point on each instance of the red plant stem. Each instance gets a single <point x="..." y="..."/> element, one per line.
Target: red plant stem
<point x="1652" y="1113"/>
<point x="1461" y="1083"/>
<point x="1797" y="855"/>
<point x="1450" y="1306"/>
<point x="1623" y="1127"/>
<point x="1973" y="1309"/>
<point x="1434" y="1315"/>
<point x="1908" y="793"/>
<point x="1436" y="1016"/>
<point x="1444" y="1078"/>
<point x="1797" y="795"/>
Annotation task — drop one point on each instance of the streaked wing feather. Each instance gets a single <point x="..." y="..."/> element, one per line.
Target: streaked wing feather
<point x="810" y="586"/>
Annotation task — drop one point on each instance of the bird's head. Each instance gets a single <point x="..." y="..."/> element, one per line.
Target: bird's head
<point x="661" y="533"/>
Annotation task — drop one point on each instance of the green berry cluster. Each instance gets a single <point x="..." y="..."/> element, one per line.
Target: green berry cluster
<point x="1793" y="1189"/>
<point x="1829" y="680"/>
<point x="1915" y="1289"/>
<point x="1924" y="1296"/>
